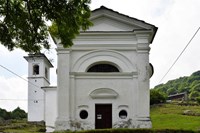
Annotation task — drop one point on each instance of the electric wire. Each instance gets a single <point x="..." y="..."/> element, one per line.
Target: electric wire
<point x="179" y="56"/>
<point x="18" y="76"/>
<point x="24" y="80"/>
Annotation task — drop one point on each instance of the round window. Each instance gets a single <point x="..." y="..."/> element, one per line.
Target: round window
<point x="83" y="114"/>
<point x="123" y="114"/>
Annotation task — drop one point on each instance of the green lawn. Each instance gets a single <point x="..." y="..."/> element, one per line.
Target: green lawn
<point x="20" y="126"/>
<point x="169" y="116"/>
<point x="166" y="116"/>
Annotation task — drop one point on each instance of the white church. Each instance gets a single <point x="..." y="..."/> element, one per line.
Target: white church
<point x="102" y="80"/>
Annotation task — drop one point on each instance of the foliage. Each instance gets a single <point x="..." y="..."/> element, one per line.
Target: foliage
<point x="4" y="114"/>
<point x="194" y="94"/>
<point x="190" y="84"/>
<point x="157" y="97"/>
<point x="23" y="22"/>
<point x="21" y="126"/>
<point x="15" y="114"/>
<point x="18" y="114"/>
<point x="198" y="100"/>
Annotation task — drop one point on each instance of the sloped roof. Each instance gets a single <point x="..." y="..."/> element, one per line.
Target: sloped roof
<point x="139" y="25"/>
<point x="122" y="15"/>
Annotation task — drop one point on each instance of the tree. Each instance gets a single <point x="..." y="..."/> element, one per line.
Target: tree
<point x="4" y="114"/>
<point x="194" y="94"/>
<point x="196" y="88"/>
<point x="171" y="91"/>
<point x="23" y="22"/>
<point x="157" y="97"/>
<point x="198" y="100"/>
<point x="18" y="114"/>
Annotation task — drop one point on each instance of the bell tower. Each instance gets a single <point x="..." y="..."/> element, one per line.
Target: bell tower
<point x="38" y="76"/>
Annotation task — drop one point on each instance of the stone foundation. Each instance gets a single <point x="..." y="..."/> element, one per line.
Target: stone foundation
<point x="136" y="123"/>
<point x="73" y="125"/>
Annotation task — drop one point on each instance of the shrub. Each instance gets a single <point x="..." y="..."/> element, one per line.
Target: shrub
<point x="18" y="114"/>
<point x="157" y="97"/>
<point x="198" y="100"/>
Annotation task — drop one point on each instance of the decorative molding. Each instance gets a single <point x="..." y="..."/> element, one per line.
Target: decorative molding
<point x="115" y="57"/>
<point x="104" y="93"/>
<point x="83" y="106"/>
<point x="39" y="77"/>
<point x="49" y="88"/>
<point x="121" y="75"/>
<point x="122" y="106"/>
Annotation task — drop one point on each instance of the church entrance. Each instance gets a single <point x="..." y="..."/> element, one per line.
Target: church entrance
<point x="103" y="116"/>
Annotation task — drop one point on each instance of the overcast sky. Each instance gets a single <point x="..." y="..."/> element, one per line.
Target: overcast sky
<point x="177" y="21"/>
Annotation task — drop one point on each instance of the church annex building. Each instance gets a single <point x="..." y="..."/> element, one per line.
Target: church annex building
<point x="102" y="80"/>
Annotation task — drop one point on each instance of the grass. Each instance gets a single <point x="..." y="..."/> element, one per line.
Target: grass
<point x="20" y="126"/>
<point x="170" y="116"/>
<point x="166" y="118"/>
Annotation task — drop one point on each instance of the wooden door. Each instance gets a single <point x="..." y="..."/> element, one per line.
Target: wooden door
<point x="103" y="116"/>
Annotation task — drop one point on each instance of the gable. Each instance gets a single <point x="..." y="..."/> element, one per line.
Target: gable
<point x="105" y="19"/>
<point x="106" y="23"/>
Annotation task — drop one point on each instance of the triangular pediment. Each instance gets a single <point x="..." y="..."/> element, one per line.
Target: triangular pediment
<point x="105" y="23"/>
<point x="105" y="19"/>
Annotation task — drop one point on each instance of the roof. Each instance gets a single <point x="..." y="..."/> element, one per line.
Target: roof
<point x="105" y="8"/>
<point x="38" y="55"/>
<point x="178" y="94"/>
<point x="143" y="26"/>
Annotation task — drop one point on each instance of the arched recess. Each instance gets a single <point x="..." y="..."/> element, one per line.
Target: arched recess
<point x="103" y="67"/>
<point x="109" y="56"/>
<point x="36" y="69"/>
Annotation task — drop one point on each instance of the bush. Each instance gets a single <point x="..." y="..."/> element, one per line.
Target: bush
<point x="18" y="114"/>
<point x="198" y="100"/>
<point x="157" y="97"/>
<point x="193" y="95"/>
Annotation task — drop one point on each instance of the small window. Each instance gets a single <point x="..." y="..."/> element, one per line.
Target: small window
<point x="35" y="69"/>
<point x="83" y="114"/>
<point x="123" y="114"/>
<point x="103" y="68"/>
<point x="46" y="73"/>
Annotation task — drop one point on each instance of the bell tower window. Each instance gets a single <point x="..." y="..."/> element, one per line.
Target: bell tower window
<point x="36" y="69"/>
<point x="46" y="73"/>
<point x="103" y="68"/>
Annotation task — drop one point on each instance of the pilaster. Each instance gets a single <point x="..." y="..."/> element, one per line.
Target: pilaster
<point x="63" y="93"/>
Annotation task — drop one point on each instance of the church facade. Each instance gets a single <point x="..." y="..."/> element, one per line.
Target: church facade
<point x="102" y="80"/>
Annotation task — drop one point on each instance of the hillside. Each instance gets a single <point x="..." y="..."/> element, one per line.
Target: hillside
<point x="189" y="84"/>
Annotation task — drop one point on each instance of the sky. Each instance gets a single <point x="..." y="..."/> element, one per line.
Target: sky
<point x="177" y="21"/>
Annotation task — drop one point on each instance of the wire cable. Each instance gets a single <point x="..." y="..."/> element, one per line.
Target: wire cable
<point x="179" y="56"/>
<point x="21" y="100"/>
<point x="18" y="76"/>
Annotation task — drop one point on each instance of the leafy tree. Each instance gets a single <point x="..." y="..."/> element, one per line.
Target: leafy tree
<point x="18" y="114"/>
<point x="184" y="89"/>
<point x="171" y="91"/>
<point x="196" y="88"/>
<point x="4" y="114"/>
<point x="23" y="22"/>
<point x="198" y="100"/>
<point x="157" y="97"/>
<point x="190" y="84"/>
<point x="193" y="95"/>
<point x="197" y="73"/>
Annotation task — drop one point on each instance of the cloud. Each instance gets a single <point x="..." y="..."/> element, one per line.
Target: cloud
<point x="13" y="92"/>
<point x="176" y="28"/>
